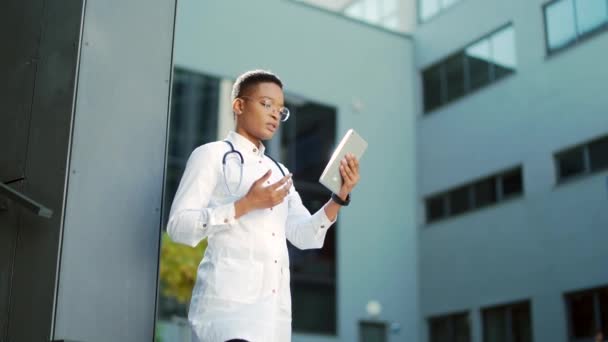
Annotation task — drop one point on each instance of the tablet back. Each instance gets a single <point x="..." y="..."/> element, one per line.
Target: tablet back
<point x="350" y="143"/>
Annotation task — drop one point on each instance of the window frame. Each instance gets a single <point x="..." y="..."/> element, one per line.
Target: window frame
<point x="578" y="38"/>
<point x="496" y="178"/>
<point x="468" y="91"/>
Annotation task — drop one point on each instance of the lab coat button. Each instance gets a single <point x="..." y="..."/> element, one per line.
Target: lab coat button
<point x="255" y="150"/>
<point x="272" y="234"/>
<point x="225" y="220"/>
<point x="274" y="291"/>
<point x="322" y="226"/>
<point x="204" y="225"/>
<point x="275" y="261"/>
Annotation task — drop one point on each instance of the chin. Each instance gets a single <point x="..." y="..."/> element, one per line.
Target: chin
<point x="266" y="135"/>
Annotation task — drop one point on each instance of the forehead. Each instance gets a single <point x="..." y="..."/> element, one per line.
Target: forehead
<point x="267" y="89"/>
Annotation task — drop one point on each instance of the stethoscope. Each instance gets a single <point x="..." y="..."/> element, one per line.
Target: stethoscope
<point x="242" y="163"/>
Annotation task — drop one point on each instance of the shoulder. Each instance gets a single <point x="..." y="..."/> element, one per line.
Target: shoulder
<point x="208" y="152"/>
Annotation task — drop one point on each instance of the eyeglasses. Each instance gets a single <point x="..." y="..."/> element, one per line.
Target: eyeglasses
<point x="267" y="103"/>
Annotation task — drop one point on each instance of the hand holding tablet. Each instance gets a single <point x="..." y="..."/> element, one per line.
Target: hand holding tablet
<point x="352" y="143"/>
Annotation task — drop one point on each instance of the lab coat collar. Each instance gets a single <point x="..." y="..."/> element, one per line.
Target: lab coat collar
<point x="243" y="145"/>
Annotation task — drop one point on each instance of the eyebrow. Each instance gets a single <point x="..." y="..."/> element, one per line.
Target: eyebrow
<point x="271" y="99"/>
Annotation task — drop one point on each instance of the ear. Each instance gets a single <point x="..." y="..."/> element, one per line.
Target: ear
<point x="237" y="106"/>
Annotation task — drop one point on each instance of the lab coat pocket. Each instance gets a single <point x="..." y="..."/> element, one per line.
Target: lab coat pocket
<point x="237" y="280"/>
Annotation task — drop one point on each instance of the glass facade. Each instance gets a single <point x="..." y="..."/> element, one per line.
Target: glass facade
<point x="479" y="64"/>
<point x="568" y="21"/>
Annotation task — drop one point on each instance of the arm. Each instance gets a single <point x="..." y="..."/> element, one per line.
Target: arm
<point x="190" y="219"/>
<point x="307" y="231"/>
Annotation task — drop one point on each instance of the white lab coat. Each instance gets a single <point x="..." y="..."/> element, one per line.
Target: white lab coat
<point x="242" y="284"/>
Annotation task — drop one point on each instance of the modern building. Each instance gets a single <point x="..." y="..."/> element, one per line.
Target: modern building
<point x="482" y="213"/>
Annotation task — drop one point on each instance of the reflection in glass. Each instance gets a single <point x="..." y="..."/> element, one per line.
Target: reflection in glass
<point x="521" y="322"/>
<point x="590" y="14"/>
<point x="503" y="52"/>
<point x="428" y="8"/>
<point x="512" y="183"/>
<point x="371" y="11"/>
<point x="389" y="7"/>
<point x="435" y="208"/>
<point x="306" y="143"/>
<point x="582" y="316"/>
<point x="485" y="192"/>
<point x="481" y="63"/>
<point x="432" y="88"/>
<point x="559" y="18"/>
<point x="459" y="200"/>
<point x="478" y="57"/>
<point x="440" y="329"/>
<point x="454" y="67"/>
<point x="355" y="10"/>
<point x="598" y="154"/>
<point x="462" y="331"/>
<point x="495" y="325"/>
<point x="570" y="163"/>
<point x="373" y="332"/>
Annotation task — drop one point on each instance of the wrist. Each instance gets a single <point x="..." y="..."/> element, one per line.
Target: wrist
<point x="341" y="201"/>
<point x="242" y="206"/>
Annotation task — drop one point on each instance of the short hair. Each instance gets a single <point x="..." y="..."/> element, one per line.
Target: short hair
<point x="251" y="79"/>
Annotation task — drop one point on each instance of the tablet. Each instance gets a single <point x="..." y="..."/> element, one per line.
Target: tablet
<point x="350" y="143"/>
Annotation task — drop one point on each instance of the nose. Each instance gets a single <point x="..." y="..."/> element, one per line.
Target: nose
<point x="274" y="113"/>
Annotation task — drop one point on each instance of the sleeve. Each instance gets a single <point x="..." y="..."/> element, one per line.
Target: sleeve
<point x="190" y="219"/>
<point x="303" y="230"/>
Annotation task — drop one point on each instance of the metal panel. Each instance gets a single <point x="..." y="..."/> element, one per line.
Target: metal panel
<point x="110" y="248"/>
<point x="8" y="239"/>
<point x="36" y="253"/>
<point x="17" y="67"/>
<point x="20" y="36"/>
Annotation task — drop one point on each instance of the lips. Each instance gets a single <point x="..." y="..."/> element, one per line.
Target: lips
<point x="271" y="126"/>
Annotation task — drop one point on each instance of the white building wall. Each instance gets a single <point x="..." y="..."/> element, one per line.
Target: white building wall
<point x="550" y="241"/>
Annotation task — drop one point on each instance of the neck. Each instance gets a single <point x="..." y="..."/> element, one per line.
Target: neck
<point x="248" y="136"/>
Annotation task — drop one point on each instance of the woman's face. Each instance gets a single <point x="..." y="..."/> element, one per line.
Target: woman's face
<point x="254" y="121"/>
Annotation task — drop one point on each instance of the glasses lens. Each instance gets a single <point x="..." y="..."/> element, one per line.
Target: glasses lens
<point x="284" y="114"/>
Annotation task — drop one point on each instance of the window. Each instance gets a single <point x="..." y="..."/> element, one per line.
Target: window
<point x="384" y="13"/>
<point x="460" y="201"/>
<point x="435" y="208"/>
<point x="433" y="90"/>
<point x="567" y="21"/>
<point x="598" y="154"/>
<point x="193" y="122"/>
<point x="507" y="323"/>
<point x="373" y="331"/>
<point x="511" y="184"/>
<point x="571" y="163"/>
<point x="587" y="313"/>
<point x="427" y="9"/>
<point x="584" y="159"/>
<point x="309" y="133"/>
<point x="485" y="61"/>
<point x="478" y="194"/>
<point x="485" y="193"/>
<point x="454" y="69"/>
<point x="450" y="328"/>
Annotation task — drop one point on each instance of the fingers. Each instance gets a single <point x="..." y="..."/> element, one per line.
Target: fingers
<point x="349" y="169"/>
<point x="265" y="177"/>
<point x="280" y="183"/>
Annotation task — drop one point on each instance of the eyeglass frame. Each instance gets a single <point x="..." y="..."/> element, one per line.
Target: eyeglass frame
<point x="268" y="106"/>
